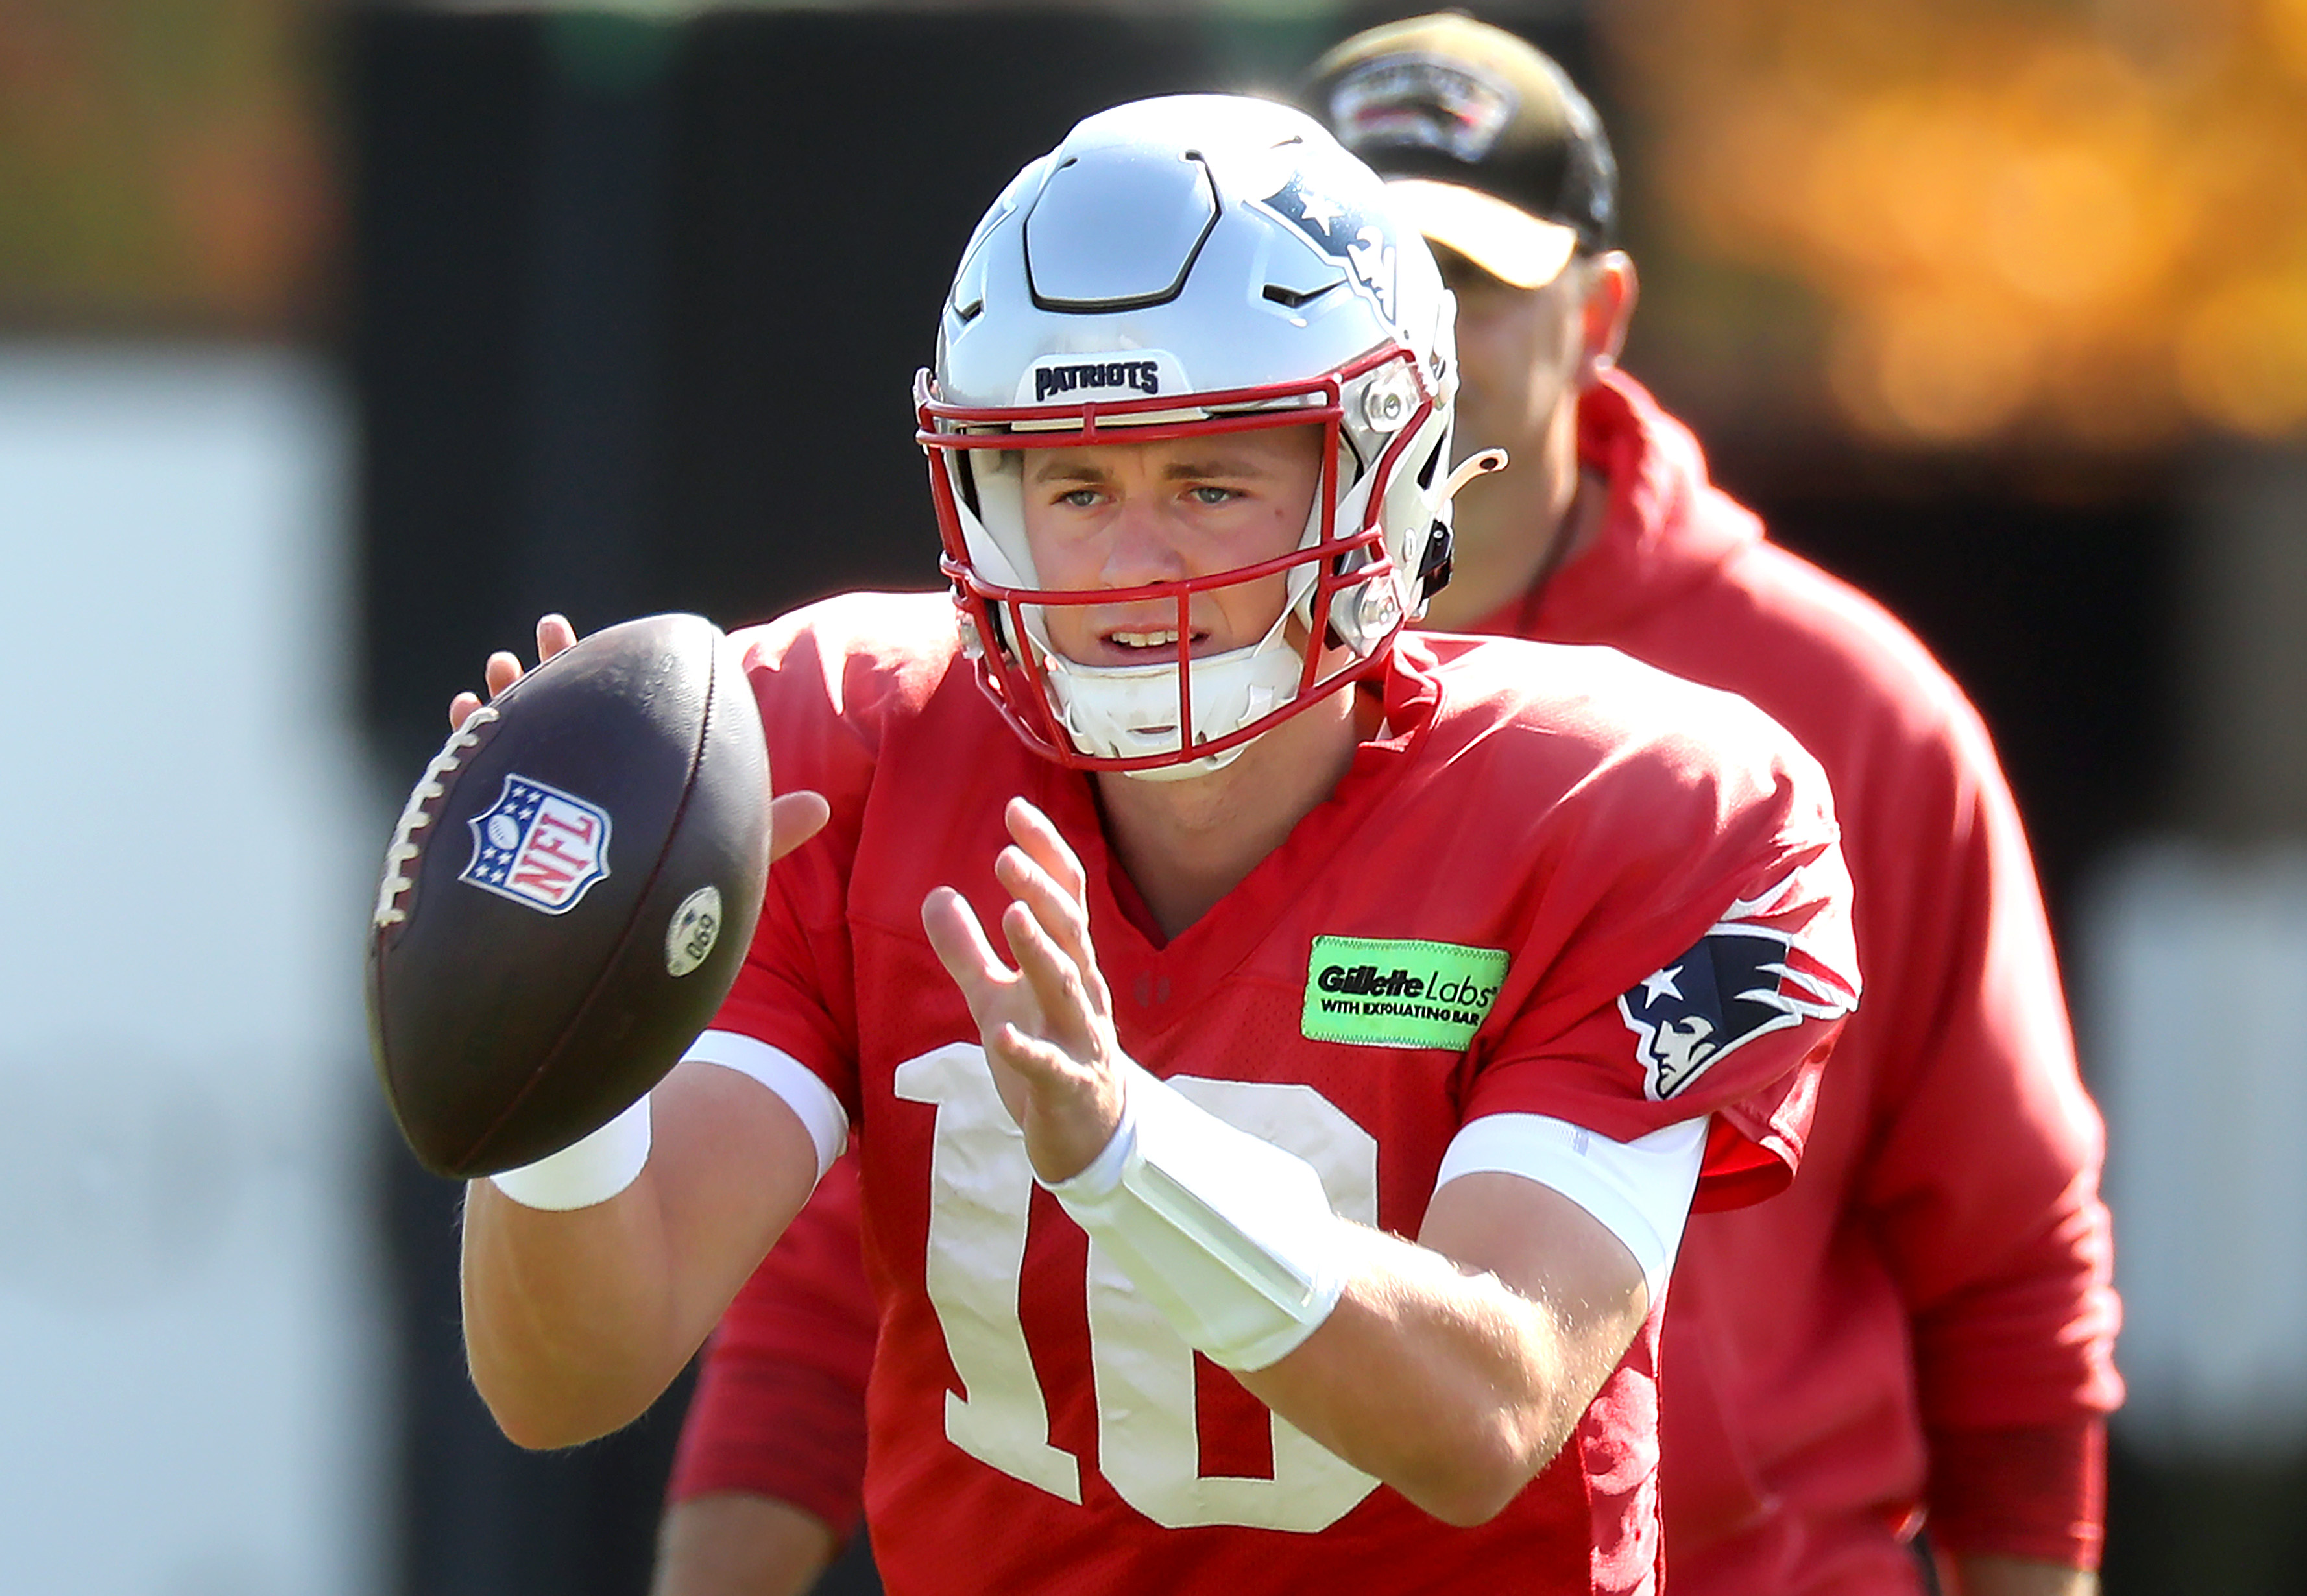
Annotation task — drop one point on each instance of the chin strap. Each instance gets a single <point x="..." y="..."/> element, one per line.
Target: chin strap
<point x="1434" y="571"/>
<point x="1480" y="464"/>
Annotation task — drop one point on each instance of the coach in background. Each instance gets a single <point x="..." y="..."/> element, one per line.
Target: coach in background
<point x="1918" y="1335"/>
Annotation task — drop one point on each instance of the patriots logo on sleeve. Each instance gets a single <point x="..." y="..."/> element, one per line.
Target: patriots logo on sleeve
<point x="1743" y="980"/>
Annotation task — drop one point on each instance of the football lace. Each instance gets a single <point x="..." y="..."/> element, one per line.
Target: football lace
<point x="416" y="815"/>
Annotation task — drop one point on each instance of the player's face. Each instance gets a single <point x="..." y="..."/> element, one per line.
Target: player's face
<point x="1126" y="515"/>
<point x="1519" y="353"/>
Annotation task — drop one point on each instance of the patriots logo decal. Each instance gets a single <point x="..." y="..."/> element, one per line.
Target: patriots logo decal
<point x="1743" y="980"/>
<point x="1364" y="242"/>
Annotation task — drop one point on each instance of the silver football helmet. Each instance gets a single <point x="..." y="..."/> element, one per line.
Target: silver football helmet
<point x="1180" y="266"/>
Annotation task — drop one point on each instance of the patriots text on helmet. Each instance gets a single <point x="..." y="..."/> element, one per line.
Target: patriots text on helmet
<point x="1142" y="375"/>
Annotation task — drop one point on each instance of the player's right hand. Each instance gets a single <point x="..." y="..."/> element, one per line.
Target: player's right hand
<point x="794" y="816"/>
<point x="1047" y="1022"/>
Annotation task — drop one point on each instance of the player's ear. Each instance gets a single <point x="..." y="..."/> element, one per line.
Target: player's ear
<point x="1606" y="308"/>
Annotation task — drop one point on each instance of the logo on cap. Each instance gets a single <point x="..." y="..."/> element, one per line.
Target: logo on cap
<point x="1422" y="103"/>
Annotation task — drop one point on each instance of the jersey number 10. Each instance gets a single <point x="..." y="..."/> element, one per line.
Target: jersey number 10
<point x="980" y="1186"/>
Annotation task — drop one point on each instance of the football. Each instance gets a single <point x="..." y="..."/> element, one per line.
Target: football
<point x="569" y="895"/>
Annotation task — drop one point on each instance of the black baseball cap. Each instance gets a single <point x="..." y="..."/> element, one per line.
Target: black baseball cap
<point x="1485" y="143"/>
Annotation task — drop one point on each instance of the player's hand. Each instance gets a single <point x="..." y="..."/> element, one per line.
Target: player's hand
<point x="1047" y="1023"/>
<point x="553" y="633"/>
<point x="794" y="816"/>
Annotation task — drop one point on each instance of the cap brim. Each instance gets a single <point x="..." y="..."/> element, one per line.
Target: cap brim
<point x="1503" y="240"/>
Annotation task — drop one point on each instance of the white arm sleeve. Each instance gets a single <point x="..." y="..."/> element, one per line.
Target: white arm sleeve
<point x="820" y="1110"/>
<point x="1640" y="1191"/>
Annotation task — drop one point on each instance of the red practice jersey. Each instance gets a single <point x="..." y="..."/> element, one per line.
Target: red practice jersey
<point x="1925" y="1321"/>
<point x="1557" y="883"/>
<point x="793" y="1352"/>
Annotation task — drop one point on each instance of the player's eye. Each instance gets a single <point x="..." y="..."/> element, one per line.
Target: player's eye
<point x="1210" y="494"/>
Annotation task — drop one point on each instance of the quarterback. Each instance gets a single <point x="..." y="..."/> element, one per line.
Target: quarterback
<point x="1920" y="1331"/>
<point x="1283" y="1051"/>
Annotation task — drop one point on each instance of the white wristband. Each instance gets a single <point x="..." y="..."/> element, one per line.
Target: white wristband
<point x="1231" y="1237"/>
<point x="586" y="1172"/>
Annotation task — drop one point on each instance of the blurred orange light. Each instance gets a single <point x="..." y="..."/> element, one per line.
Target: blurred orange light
<point x="1938" y="368"/>
<point x="2086" y="222"/>
<point x="2285" y="25"/>
<point x="2242" y="355"/>
<point x="2062" y="227"/>
<point x="162" y="165"/>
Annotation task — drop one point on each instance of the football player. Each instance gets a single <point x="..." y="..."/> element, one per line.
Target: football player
<point x="1924" y="1324"/>
<point x="1282" y="1049"/>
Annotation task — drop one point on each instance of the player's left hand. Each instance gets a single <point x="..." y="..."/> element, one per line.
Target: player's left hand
<point x="1047" y="1023"/>
<point x="794" y="816"/>
<point x="555" y="635"/>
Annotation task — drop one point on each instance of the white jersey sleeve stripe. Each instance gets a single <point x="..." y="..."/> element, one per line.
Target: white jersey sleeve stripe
<point x="820" y="1110"/>
<point x="1640" y="1191"/>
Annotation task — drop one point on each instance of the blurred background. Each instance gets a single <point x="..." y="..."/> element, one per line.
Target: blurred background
<point x="336" y="341"/>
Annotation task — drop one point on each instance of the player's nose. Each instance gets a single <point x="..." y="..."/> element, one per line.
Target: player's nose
<point x="1143" y="543"/>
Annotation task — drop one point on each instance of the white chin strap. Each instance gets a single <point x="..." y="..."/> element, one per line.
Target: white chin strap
<point x="1127" y="712"/>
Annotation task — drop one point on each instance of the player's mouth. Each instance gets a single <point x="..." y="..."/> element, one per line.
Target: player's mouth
<point x="1149" y="646"/>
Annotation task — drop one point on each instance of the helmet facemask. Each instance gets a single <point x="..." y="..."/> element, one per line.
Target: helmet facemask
<point x="1361" y="568"/>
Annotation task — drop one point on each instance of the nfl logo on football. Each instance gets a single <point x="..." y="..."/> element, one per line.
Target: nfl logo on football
<point x="538" y="846"/>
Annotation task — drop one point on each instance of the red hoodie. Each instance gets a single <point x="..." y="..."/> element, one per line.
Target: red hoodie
<point x="1925" y="1319"/>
